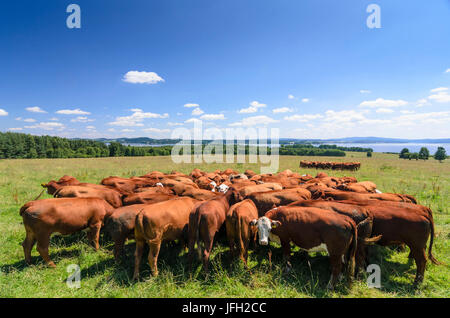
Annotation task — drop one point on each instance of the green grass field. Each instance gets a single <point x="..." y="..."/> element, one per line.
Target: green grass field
<point x="428" y="181"/>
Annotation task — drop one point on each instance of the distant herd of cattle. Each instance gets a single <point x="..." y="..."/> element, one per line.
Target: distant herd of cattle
<point x="338" y="215"/>
<point x="353" y="166"/>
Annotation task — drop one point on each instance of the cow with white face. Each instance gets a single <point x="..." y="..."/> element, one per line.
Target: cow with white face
<point x="265" y="226"/>
<point x="223" y="188"/>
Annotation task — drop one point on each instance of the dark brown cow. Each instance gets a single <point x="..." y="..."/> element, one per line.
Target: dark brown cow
<point x="111" y="196"/>
<point x="155" y="223"/>
<point x="360" y="215"/>
<point x="312" y="229"/>
<point x="206" y="220"/>
<point x="239" y="230"/>
<point x="404" y="225"/>
<point x="265" y="201"/>
<point x="41" y="218"/>
<point x="353" y="196"/>
<point x="120" y="226"/>
<point x="146" y="198"/>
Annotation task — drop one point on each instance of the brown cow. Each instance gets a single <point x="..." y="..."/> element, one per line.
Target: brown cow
<point x="199" y="194"/>
<point x="353" y="196"/>
<point x="41" y="218"/>
<point x="360" y="215"/>
<point x="265" y="201"/>
<point x="111" y="196"/>
<point x="264" y="187"/>
<point x="313" y="230"/>
<point x="158" y="222"/>
<point x="120" y="226"/>
<point x="404" y="225"/>
<point x="239" y="230"/>
<point x="146" y="198"/>
<point x="359" y="187"/>
<point x="206" y="220"/>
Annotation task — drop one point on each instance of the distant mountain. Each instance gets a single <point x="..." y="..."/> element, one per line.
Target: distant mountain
<point x="361" y="140"/>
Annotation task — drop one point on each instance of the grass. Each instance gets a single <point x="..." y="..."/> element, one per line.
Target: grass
<point x="20" y="182"/>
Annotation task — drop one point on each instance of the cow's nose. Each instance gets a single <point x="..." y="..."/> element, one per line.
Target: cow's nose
<point x="263" y="242"/>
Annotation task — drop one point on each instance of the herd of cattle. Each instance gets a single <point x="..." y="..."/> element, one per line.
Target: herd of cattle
<point x="338" y="215"/>
<point x="353" y="166"/>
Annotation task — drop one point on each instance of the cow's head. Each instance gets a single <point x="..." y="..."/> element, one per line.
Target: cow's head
<point x="264" y="226"/>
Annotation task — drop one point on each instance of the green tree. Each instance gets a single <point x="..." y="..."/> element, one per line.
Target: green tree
<point x="440" y="154"/>
<point x="403" y="153"/>
<point x="424" y="153"/>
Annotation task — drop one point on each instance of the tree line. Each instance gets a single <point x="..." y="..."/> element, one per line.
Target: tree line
<point x="423" y="154"/>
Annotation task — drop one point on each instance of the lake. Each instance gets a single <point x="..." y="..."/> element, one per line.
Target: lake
<point x="396" y="147"/>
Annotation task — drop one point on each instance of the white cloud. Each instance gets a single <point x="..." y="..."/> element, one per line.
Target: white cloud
<point x="54" y="118"/>
<point x="442" y="96"/>
<point x="422" y="102"/>
<point x="291" y="96"/>
<point x="3" y="112"/>
<point x="212" y="117"/>
<point x="375" y="121"/>
<point x="136" y="110"/>
<point x="303" y="118"/>
<point x="193" y="120"/>
<point x="136" y="118"/>
<point x="439" y="89"/>
<point x="15" y="129"/>
<point x="90" y="127"/>
<point x="282" y="110"/>
<point x="344" y="116"/>
<point x="365" y="91"/>
<point x="253" y="107"/>
<point x="46" y="126"/>
<point x="191" y="105"/>
<point x="384" y="110"/>
<point x="174" y="124"/>
<point x="255" y="120"/>
<point x="427" y="118"/>
<point x="305" y="100"/>
<point x="111" y="129"/>
<point x="127" y="130"/>
<point x="156" y="130"/>
<point x="35" y="109"/>
<point x="384" y="103"/>
<point x="407" y="112"/>
<point x="72" y="112"/>
<point x="197" y="111"/>
<point x="137" y="77"/>
<point x="447" y="70"/>
<point x="27" y="120"/>
<point x="81" y="119"/>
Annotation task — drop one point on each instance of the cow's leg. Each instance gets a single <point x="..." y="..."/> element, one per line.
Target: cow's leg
<point x="336" y="268"/>
<point x="137" y="257"/>
<point x="207" y="251"/>
<point x="421" y="261"/>
<point x="94" y="235"/>
<point x="231" y="241"/>
<point x="155" y="246"/>
<point x="118" y="247"/>
<point x="286" y="246"/>
<point x="28" y="244"/>
<point x="43" y="241"/>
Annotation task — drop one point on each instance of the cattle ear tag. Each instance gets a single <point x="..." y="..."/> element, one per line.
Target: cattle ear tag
<point x="253" y="222"/>
<point x="275" y="224"/>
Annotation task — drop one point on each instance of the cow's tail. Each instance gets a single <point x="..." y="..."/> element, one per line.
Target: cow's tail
<point x="139" y="225"/>
<point x="24" y="208"/>
<point x="430" y="247"/>
<point x="352" y="252"/>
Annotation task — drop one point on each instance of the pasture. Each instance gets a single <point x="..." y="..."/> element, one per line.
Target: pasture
<point x="428" y="181"/>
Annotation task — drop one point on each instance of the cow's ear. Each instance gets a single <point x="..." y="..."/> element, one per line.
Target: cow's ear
<point x="253" y="222"/>
<point x="275" y="224"/>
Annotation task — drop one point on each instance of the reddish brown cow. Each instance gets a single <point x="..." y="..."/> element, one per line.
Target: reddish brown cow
<point x="239" y="230"/>
<point x="265" y="201"/>
<point x="53" y="185"/>
<point x="206" y="220"/>
<point x="360" y="215"/>
<point x="120" y="226"/>
<point x="155" y="223"/>
<point x="41" y="218"/>
<point x="146" y="198"/>
<point x="404" y="225"/>
<point x="111" y="196"/>
<point x="264" y="187"/>
<point x="199" y="194"/>
<point x="359" y="187"/>
<point x="353" y="196"/>
<point x="312" y="229"/>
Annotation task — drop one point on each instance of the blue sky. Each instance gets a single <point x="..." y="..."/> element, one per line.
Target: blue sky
<point x="313" y="69"/>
